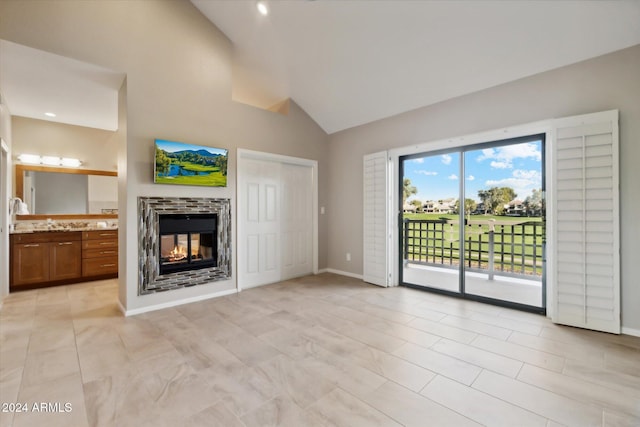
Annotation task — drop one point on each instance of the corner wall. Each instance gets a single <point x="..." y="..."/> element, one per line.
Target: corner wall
<point x="178" y="87"/>
<point x="603" y="83"/>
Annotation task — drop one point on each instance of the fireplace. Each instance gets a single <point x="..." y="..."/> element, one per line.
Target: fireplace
<point x="182" y="242"/>
<point x="187" y="242"/>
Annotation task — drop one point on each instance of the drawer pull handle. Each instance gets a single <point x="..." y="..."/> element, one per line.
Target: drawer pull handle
<point x="107" y="234"/>
<point x="107" y="252"/>
<point x="106" y="243"/>
<point x="65" y="243"/>
<point x="108" y="265"/>
<point x="33" y="245"/>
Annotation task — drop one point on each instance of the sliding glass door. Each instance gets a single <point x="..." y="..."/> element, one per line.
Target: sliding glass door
<point x="473" y="222"/>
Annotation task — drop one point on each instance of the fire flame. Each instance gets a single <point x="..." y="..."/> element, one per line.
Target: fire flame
<point x="178" y="253"/>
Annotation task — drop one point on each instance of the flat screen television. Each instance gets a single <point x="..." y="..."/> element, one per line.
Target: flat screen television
<point x="187" y="164"/>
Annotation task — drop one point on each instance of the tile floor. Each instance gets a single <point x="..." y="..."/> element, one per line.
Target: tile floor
<point x="316" y="351"/>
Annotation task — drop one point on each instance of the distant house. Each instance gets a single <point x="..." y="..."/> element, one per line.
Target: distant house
<point x="442" y="206"/>
<point x="409" y="208"/>
<point x="515" y="208"/>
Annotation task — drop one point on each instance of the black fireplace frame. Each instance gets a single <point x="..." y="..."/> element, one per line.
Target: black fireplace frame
<point x="189" y="224"/>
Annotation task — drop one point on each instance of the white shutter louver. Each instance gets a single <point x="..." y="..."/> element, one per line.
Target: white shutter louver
<point x="586" y="222"/>
<point x="375" y="219"/>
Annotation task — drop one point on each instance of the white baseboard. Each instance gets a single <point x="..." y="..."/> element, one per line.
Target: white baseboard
<point x="174" y="303"/>
<point x="342" y="273"/>
<point x="631" y="331"/>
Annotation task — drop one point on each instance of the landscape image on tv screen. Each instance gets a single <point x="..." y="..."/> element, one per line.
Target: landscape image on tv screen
<point x="188" y="164"/>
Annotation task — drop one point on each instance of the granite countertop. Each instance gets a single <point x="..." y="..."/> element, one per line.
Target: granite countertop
<point x="24" y="229"/>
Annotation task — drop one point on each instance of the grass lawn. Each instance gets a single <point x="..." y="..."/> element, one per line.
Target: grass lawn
<point x="214" y="179"/>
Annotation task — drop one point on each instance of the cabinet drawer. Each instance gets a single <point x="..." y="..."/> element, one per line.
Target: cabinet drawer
<point x="45" y="237"/>
<point x="99" y="266"/>
<point x="100" y="234"/>
<point x="99" y="244"/>
<point x="99" y="252"/>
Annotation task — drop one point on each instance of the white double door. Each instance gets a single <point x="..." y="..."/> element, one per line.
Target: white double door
<point x="275" y="221"/>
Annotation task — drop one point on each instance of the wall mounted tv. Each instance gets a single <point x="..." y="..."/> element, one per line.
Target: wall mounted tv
<point x="187" y="164"/>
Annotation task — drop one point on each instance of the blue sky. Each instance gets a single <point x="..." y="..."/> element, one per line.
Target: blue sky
<point x="518" y="166"/>
<point x="172" y="147"/>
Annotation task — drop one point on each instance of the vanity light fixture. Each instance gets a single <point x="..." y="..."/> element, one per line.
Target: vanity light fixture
<point x="262" y="8"/>
<point x="69" y="162"/>
<point x="34" y="159"/>
<point x="50" y="160"/>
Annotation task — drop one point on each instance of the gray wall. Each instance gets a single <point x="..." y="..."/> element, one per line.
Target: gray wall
<point x="608" y="82"/>
<point x="178" y="87"/>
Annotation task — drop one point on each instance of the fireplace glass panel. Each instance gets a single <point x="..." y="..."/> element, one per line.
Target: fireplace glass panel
<point x="202" y="247"/>
<point x="174" y="249"/>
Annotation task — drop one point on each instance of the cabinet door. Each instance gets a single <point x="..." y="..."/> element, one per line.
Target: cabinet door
<point x="65" y="260"/>
<point x="30" y="263"/>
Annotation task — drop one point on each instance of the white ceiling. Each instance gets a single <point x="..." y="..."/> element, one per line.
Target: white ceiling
<point x="350" y="62"/>
<point x="34" y="82"/>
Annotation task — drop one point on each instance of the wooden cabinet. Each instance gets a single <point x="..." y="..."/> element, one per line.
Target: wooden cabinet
<point x="40" y="258"/>
<point x="54" y="258"/>
<point x="99" y="253"/>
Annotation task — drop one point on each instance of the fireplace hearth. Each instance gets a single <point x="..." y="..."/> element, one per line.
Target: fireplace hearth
<point x="182" y="242"/>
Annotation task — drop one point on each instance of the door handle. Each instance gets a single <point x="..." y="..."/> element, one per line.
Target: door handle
<point x="65" y="243"/>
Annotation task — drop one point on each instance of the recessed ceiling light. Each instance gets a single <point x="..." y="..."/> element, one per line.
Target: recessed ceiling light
<point x="50" y="114"/>
<point x="262" y="8"/>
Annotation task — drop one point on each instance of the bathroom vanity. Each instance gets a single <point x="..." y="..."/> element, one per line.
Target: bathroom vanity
<point x="48" y="258"/>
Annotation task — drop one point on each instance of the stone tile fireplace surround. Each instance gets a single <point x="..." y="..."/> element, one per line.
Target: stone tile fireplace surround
<point x="149" y="210"/>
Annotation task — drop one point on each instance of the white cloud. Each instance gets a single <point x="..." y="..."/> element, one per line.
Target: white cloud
<point x="501" y="165"/>
<point x="446" y="159"/>
<point x="504" y="156"/>
<point x="427" y="173"/>
<point x="471" y="178"/>
<point x="453" y="176"/>
<point x="420" y="160"/>
<point x="530" y="174"/>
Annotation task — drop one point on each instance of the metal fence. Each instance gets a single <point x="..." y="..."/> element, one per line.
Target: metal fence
<point x="509" y="247"/>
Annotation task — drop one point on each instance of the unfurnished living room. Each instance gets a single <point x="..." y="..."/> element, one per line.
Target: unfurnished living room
<point x="319" y="213"/>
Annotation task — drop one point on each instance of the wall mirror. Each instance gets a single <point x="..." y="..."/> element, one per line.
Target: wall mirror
<point x="66" y="193"/>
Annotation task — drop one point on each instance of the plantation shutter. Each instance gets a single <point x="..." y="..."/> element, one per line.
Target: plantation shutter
<point x="375" y="219"/>
<point x="586" y="258"/>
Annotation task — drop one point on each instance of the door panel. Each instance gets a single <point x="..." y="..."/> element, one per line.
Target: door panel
<point x="297" y="213"/>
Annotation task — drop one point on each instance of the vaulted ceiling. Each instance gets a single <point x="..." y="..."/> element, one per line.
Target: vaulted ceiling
<point x="349" y="62"/>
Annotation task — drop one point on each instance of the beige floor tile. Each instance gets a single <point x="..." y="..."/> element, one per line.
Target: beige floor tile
<point x="439" y="363"/>
<point x="505" y="322"/>
<point x="547" y="404"/>
<point x="411" y="409"/>
<point x="289" y="378"/>
<point x="524" y="354"/>
<point x="281" y="411"/>
<point x="342" y="371"/>
<point x="404" y="332"/>
<point x="612" y="419"/>
<point x="340" y="408"/>
<point x="564" y="349"/>
<point x="97" y="361"/>
<point x="478" y="406"/>
<point x="482" y="358"/>
<point x="216" y="415"/>
<point x="318" y="350"/>
<point x="249" y="349"/>
<point x="46" y="366"/>
<point x="477" y="327"/>
<point x="60" y="402"/>
<point x="629" y="384"/>
<point x="394" y="368"/>
<point x="442" y="330"/>
<point x="579" y="389"/>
